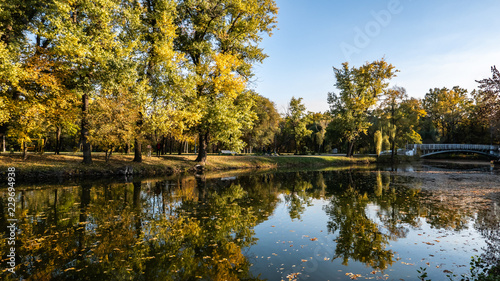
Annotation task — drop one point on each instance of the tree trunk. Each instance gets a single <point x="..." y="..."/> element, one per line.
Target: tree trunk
<point x="137" y="151"/>
<point x="393" y="147"/>
<point x="179" y="148"/>
<point x="25" y="151"/>
<point x="203" y="146"/>
<point x="350" y="147"/>
<point x="127" y="148"/>
<point x="108" y="154"/>
<point x="87" y="156"/>
<point x="42" y="147"/>
<point x="58" y="140"/>
<point x="393" y="133"/>
<point x="170" y="146"/>
<point x="164" y="146"/>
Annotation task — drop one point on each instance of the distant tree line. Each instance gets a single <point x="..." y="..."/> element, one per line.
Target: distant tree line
<point x="172" y="76"/>
<point x="368" y="117"/>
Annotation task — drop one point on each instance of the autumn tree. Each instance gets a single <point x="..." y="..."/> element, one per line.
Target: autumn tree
<point x="82" y="35"/>
<point x="488" y="103"/>
<point x="446" y="109"/>
<point x="403" y="114"/>
<point x="161" y="105"/>
<point x="296" y="122"/>
<point x="32" y="81"/>
<point x="318" y="122"/>
<point x="220" y="40"/>
<point x="359" y="90"/>
<point x="265" y="127"/>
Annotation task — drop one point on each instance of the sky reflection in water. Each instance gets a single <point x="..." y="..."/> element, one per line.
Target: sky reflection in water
<point x="329" y="225"/>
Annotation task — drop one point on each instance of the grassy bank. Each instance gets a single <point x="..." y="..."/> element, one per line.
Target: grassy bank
<point x="69" y="165"/>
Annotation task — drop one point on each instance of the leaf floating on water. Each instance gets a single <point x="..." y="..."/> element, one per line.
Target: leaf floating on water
<point x="292" y="276"/>
<point x="314" y="239"/>
<point x="303" y="260"/>
<point x="67" y="269"/>
<point x="352" y="275"/>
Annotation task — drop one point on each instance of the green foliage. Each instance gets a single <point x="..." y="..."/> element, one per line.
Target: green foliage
<point x="400" y="115"/>
<point x="479" y="271"/>
<point x="359" y="90"/>
<point x="423" y="274"/>
<point x="156" y="69"/>
<point x="317" y="124"/>
<point x="296" y="122"/>
<point x="447" y="109"/>
<point x="220" y="40"/>
<point x="487" y="105"/>
<point x="265" y="127"/>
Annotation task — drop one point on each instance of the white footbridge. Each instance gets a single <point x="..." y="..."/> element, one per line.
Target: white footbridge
<point x="431" y="149"/>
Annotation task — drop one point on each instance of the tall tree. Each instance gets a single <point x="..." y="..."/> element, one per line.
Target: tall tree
<point x="393" y="99"/>
<point x="359" y="90"/>
<point x="403" y="115"/>
<point x="264" y="128"/>
<point x="82" y="35"/>
<point x="161" y="105"/>
<point x="447" y="108"/>
<point x="318" y="122"/>
<point x="408" y="125"/>
<point x="32" y="80"/>
<point x="296" y="122"/>
<point x="488" y="103"/>
<point x="220" y="39"/>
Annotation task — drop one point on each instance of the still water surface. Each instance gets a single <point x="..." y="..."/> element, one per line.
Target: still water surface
<point x="339" y="224"/>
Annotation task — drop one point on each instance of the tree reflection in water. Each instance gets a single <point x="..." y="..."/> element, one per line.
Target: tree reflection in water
<point x="191" y="228"/>
<point x="167" y="230"/>
<point x="362" y="234"/>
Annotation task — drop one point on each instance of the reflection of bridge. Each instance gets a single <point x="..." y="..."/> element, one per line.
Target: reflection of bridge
<point x="431" y="149"/>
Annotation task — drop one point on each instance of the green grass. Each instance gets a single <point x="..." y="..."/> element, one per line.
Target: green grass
<point x="69" y="164"/>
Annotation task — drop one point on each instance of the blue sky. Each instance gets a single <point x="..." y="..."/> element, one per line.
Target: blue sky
<point x="432" y="44"/>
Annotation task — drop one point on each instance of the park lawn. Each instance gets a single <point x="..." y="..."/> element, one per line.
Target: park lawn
<point x="69" y="164"/>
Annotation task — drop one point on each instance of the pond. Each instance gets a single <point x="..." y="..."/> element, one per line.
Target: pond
<point x="334" y="224"/>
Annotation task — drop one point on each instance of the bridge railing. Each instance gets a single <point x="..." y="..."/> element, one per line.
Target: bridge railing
<point x="426" y="148"/>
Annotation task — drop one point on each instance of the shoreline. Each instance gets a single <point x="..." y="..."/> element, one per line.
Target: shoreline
<point x="69" y="166"/>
